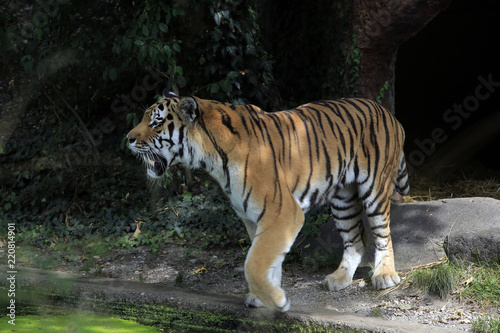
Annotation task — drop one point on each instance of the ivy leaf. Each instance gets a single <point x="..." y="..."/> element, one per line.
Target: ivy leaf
<point x="214" y="88"/>
<point x="40" y="69"/>
<point x="226" y="85"/>
<point x="181" y="81"/>
<point x="232" y="75"/>
<point x="217" y="18"/>
<point x="28" y="66"/>
<point x="167" y="50"/>
<point x="163" y="27"/>
<point x="113" y="74"/>
<point x="145" y="30"/>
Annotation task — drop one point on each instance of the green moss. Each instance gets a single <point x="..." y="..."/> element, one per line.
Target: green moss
<point x="78" y="322"/>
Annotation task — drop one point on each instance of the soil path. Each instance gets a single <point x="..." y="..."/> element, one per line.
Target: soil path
<point x="214" y="280"/>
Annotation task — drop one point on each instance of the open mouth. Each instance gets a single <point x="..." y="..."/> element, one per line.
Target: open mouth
<point x="156" y="164"/>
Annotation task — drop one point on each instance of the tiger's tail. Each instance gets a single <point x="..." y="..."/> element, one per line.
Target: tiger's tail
<point x="402" y="184"/>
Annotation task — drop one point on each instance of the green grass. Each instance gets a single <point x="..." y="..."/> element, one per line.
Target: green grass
<point x="79" y="322"/>
<point x="103" y="316"/>
<point x="486" y="325"/>
<point x="484" y="285"/>
<point x="478" y="283"/>
<point x="439" y="280"/>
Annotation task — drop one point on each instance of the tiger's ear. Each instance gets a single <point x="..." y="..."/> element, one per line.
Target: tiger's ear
<point x="168" y="94"/>
<point x="189" y="109"/>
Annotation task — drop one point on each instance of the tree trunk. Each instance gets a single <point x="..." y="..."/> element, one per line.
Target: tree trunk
<point x="380" y="28"/>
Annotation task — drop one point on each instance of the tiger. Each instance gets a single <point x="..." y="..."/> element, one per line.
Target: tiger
<point x="275" y="166"/>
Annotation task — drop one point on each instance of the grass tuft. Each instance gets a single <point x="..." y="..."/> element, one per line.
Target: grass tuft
<point x="438" y="280"/>
<point x="478" y="283"/>
<point x="486" y="325"/>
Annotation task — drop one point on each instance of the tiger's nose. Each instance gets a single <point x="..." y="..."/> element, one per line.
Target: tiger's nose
<point x="132" y="137"/>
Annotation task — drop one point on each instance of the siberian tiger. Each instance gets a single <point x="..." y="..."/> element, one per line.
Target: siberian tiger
<point x="274" y="166"/>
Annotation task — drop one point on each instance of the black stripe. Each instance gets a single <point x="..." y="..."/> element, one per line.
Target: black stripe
<point x="226" y="121"/>
<point x="346" y="231"/>
<point x="314" y="196"/>
<point x="246" y="174"/>
<point x="350" y="243"/>
<point x="171" y="128"/>
<point x="255" y="120"/>
<point x="347" y="217"/>
<point x="340" y="135"/>
<point x="296" y="184"/>
<point x="340" y="208"/>
<point x="381" y="236"/>
<point x="221" y="152"/>
<point x="244" y="123"/>
<point x="245" y="202"/>
<point x="328" y="166"/>
<point x="278" y="126"/>
<point x="349" y="116"/>
<point x="367" y="193"/>
<point x="263" y="209"/>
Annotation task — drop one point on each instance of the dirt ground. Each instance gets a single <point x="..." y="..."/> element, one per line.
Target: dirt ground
<point x="220" y="271"/>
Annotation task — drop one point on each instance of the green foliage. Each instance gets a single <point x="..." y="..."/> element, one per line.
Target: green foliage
<point x="439" y="281"/>
<point x="94" y="50"/>
<point x="62" y="322"/>
<point x="350" y="71"/>
<point x="479" y="283"/>
<point x="343" y="74"/>
<point x="300" y="37"/>
<point x="92" y="67"/>
<point x="314" y="220"/>
<point x="128" y="317"/>
<point x="382" y="92"/>
<point x="320" y="260"/>
<point x="212" y="223"/>
<point x="486" y="325"/>
<point x="483" y="283"/>
<point x="63" y="174"/>
<point x="313" y="258"/>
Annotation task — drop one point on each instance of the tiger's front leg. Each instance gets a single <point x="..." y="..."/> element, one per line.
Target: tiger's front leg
<point x="272" y="241"/>
<point x="251" y="300"/>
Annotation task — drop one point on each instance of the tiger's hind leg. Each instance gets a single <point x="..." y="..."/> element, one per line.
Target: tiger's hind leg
<point x="347" y="212"/>
<point x="378" y="213"/>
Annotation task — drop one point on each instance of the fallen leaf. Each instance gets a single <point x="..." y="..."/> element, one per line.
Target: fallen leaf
<point x="200" y="270"/>
<point x="467" y="282"/>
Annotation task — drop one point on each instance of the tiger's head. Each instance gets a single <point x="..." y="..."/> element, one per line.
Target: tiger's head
<point x="161" y="137"/>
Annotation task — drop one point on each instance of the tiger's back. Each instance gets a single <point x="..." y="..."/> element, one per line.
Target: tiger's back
<point x="274" y="166"/>
<point x="319" y="147"/>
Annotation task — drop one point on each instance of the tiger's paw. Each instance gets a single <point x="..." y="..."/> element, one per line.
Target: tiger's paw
<point x="385" y="280"/>
<point x="253" y="302"/>
<point x="337" y="281"/>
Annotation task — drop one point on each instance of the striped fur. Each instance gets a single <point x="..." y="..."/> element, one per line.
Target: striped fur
<point x="276" y="166"/>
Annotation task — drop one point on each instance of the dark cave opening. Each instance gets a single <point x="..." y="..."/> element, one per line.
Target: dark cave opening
<point x="448" y="88"/>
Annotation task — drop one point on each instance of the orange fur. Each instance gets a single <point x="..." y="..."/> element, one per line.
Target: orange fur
<point x="275" y="166"/>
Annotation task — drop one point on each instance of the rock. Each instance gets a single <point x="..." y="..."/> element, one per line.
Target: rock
<point x="470" y="226"/>
<point x="474" y="246"/>
<point x="477" y="237"/>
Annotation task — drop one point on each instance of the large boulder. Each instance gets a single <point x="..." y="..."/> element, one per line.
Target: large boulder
<point x="466" y="228"/>
<point x="462" y="228"/>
